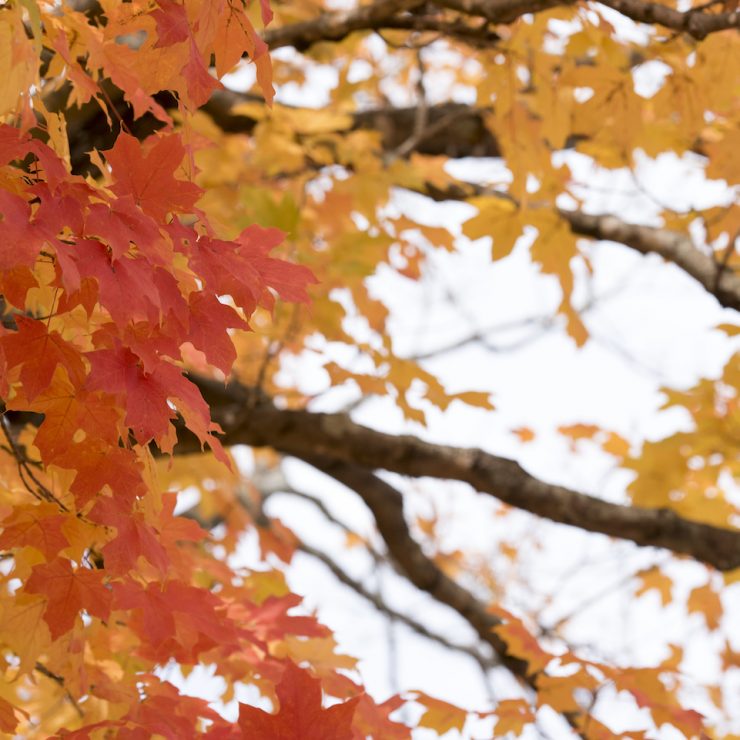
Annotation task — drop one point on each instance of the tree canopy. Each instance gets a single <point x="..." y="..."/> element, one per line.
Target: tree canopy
<point x="202" y="282"/>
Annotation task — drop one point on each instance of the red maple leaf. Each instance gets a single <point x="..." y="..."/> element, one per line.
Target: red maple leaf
<point x="127" y="287"/>
<point x="146" y="394"/>
<point x="209" y="321"/>
<point x="68" y="591"/>
<point x="15" y="284"/>
<point x="174" y="529"/>
<point x="120" y="224"/>
<point x="200" y="83"/>
<point x="174" y="620"/>
<point x="243" y="269"/>
<point x="270" y="620"/>
<point x="66" y="410"/>
<point x="147" y="413"/>
<point x="98" y="465"/>
<point x="8" y="720"/>
<point x="40" y="352"/>
<point x="134" y="537"/>
<point x="22" y="239"/>
<point x="172" y="23"/>
<point x="301" y="715"/>
<point x="146" y="172"/>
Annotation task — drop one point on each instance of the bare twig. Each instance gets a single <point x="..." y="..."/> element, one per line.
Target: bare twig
<point x="59" y="680"/>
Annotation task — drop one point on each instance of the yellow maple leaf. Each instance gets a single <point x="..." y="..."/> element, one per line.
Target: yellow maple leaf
<point x="440" y="716"/>
<point x="655" y="580"/>
<point x="704" y="600"/>
<point x="512" y="715"/>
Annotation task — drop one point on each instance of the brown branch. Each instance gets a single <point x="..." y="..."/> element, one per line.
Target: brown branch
<point x="479" y="36"/>
<point x="715" y="277"/>
<point x="337" y="26"/>
<point x="695" y="22"/>
<point x="501" y="11"/>
<point x="387" y="14"/>
<point x="336" y="437"/>
<point x="671" y="245"/>
<point x="386" y="506"/>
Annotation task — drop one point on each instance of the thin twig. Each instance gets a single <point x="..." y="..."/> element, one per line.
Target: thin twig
<point x="389" y="611"/>
<point x="41" y="492"/>
<point x="44" y="671"/>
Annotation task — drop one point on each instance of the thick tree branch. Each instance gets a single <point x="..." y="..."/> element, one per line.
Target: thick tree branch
<point x="717" y="279"/>
<point x="381" y="14"/>
<point x="697" y="23"/>
<point x="247" y="419"/>
<point x="500" y="11"/>
<point x="453" y="129"/>
<point x="337" y="26"/>
<point x="386" y="506"/>
<point x="277" y="483"/>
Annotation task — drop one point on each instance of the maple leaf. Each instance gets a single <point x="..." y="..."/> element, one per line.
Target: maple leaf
<point x="243" y="269"/>
<point x="704" y="600"/>
<point x="373" y="720"/>
<point x="15" y="284"/>
<point x="174" y="529"/>
<point x="146" y="171"/>
<point x="134" y="537"/>
<point x="270" y="620"/>
<point x="200" y="84"/>
<point x="40" y="352"/>
<point x="498" y="218"/>
<point x="68" y="591"/>
<point x="122" y="223"/>
<point x="512" y="715"/>
<point x="22" y="238"/>
<point x="35" y="525"/>
<point x="97" y="465"/>
<point x="520" y="642"/>
<point x="67" y="410"/>
<point x="24" y="629"/>
<point x="649" y="692"/>
<point x="300" y="715"/>
<point x="172" y="23"/>
<point x="441" y="716"/>
<point x="209" y="321"/>
<point x="174" y="619"/>
<point x="127" y="287"/>
<point x="119" y="371"/>
<point x="655" y="579"/>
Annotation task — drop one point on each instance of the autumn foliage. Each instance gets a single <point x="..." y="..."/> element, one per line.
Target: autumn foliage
<point x="161" y="235"/>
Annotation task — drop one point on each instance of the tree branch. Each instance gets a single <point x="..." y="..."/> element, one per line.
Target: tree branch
<point x="678" y="248"/>
<point x="335" y="437"/>
<point x="717" y="278"/>
<point x="337" y="26"/>
<point x="386" y="506"/>
<point x="501" y="11"/>
<point x="388" y="14"/>
<point x="695" y="22"/>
